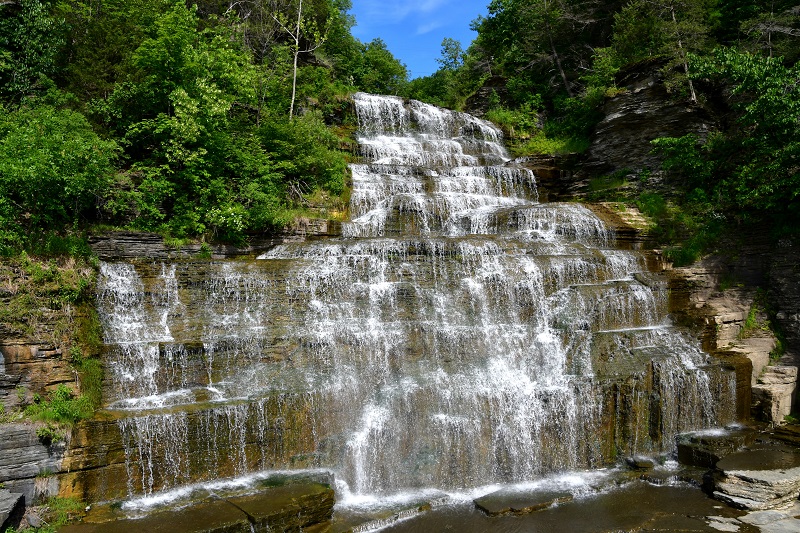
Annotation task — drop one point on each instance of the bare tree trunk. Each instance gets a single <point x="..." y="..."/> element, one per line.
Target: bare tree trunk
<point x="556" y="57"/>
<point x="692" y="94"/>
<point x="296" y="54"/>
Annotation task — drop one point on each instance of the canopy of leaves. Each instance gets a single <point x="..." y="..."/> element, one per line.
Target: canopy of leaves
<point x="179" y="121"/>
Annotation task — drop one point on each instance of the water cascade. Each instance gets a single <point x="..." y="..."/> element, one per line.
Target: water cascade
<point x="458" y="334"/>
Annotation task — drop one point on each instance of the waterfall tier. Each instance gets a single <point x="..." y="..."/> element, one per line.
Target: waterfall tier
<point x="459" y="334"/>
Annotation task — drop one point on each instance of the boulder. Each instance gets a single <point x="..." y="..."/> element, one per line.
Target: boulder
<point x="772" y="395"/>
<point x="293" y="507"/>
<point x="12" y="507"/>
<point x="706" y="448"/>
<point x="759" y="479"/>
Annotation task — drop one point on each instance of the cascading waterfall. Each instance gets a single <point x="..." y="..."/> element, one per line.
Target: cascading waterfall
<point x="458" y="334"/>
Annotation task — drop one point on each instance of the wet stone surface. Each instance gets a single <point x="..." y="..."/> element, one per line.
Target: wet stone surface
<point x="508" y="501"/>
<point x="636" y="506"/>
<point x="293" y="507"/>
<point x="759" y="479"/>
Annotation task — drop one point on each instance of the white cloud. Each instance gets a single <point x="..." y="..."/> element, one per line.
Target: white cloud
<point x="429" y="27"/>
<point x="377" y="11"/>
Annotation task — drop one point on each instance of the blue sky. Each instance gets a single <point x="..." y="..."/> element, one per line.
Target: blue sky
<point x="413" y="30"/>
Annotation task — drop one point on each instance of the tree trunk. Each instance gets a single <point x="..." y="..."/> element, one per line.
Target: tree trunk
<point x="692" y="94"/>
<point x="296" y="54"/>
<point x="556" y="57"/>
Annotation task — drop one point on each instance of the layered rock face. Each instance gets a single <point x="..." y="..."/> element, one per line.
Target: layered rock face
<point x="642" y="112"/>
<point x="759" y="479"/>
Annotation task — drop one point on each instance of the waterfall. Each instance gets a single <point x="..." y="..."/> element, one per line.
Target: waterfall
<point x="458" y="334"/>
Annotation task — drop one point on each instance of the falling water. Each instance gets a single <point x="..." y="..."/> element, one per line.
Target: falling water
<point x="460" y="333"/>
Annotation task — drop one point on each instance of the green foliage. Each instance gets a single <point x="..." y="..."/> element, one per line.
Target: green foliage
<point x="30" y="43"/>
<point x="45" y="291"/>
<point x="90" y="370"/>
<point x="607" y="187"/>
<point x="380" y="72"/>
<point x="750" y="171"/>
<point x="52" y="169"/>
<point x="56" y="513"/>
<point x="305" y="152"/>
<point x="61" y="406"/>
<point x="689" y="229"/>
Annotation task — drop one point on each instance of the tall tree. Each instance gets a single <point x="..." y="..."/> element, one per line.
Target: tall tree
<point x="670" y="29"/>
<point x="541" y="45"/>
<point x="306" y="35"/>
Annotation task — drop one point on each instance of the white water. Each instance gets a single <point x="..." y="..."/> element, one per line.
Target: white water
<point x="459" y="335"/>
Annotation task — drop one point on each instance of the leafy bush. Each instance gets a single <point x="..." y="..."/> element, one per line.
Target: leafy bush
<point x="53" y="167"/>
<point x="62" y="406"/>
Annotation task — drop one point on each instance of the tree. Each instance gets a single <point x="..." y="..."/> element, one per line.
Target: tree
<point x="670" y="29"/>
<point x="302" y="28"/>
<point x="753" y="167"/>
<point x="775" y="30"/>
<point x="380" y="71"/>
<point x="543" y="46"/>
<point x="452" y="55"/>
<point x="30" y="42"/>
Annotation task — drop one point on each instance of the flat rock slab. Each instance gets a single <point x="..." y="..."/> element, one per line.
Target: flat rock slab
<point x="509" y="501"/>
<point x="759" y="479"/>
<point x="776" y="458"/>
<point x="785" y="521"/>
<point x="11" y="507"/>
<point x="289" y="508"/>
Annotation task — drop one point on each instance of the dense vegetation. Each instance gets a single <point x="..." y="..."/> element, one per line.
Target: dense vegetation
<point x="552" y="63"/>
<point x="217" y="120"/>
<point x="194" y="120"/>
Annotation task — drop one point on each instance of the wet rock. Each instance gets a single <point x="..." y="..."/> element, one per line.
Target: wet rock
<point x="509" y="501"/>
<point x="789" y="434"/>
<point x="785" y="521"/>
<point x="705" y="449"/>
<point x="759" y="479"/>
<point x="721" y="523"/>
<point x="12" y="505"/>
<point x="640" y="463"/>
<point x="23" y="457"/>
<point x="138" y="245"/>
<point x="294" y="507"/>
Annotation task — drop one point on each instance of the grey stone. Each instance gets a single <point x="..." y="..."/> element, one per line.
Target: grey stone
<point x="11" y="509"/>
<point x="23" y="457"/>
<point x="33" y="519"/>
<point x="773" y="395"/>
<point x="720" y="523"/>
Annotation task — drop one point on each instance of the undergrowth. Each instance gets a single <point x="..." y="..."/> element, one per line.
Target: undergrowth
<point x="55" y="513"/>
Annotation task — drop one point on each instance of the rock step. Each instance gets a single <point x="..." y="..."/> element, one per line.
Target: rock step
<point x="12" y="507"/>
<point x="295" y="507"/>
<point x="759" y="479"/>
<point x="513" y="502"/>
